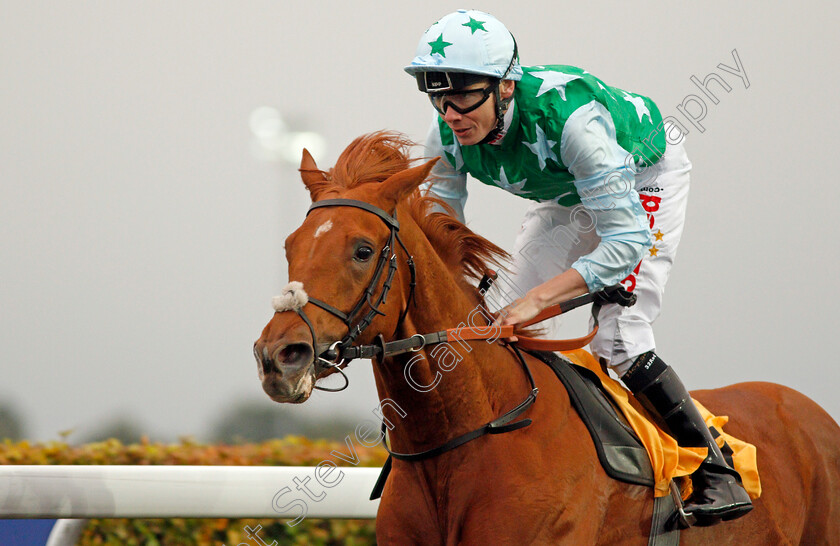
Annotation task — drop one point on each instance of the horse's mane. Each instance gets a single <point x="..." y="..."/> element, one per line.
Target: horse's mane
<point x="374" y="157"/>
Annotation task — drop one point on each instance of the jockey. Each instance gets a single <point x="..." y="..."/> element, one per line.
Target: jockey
<point x="608" y="194"/>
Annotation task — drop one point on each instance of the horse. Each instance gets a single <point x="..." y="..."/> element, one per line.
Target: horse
<point x="536" y="484"/>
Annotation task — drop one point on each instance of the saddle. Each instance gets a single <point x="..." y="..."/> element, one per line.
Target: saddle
<point x="621" y="452"/>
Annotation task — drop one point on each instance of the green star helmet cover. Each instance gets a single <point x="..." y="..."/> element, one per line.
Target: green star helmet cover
<point x="467" y="41"/>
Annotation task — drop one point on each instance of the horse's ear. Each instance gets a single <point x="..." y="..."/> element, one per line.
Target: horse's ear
<point x="399" y="185"/>
<point x="313" y="178"/>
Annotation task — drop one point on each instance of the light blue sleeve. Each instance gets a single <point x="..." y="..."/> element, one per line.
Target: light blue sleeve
<point x="446" y="182"/>
<point x="606" y="184"/>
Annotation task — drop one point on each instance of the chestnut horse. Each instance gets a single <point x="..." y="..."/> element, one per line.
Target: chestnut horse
<point x="541" y="484"/>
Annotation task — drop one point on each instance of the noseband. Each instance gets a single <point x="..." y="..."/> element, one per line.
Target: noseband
<point x="333" y="357"/>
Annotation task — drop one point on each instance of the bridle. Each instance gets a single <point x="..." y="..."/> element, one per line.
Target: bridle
<point x="336" y="356"/>
<point x="341" y="351"/>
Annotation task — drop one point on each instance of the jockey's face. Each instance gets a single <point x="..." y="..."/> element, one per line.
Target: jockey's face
<point x="472" y="127"/>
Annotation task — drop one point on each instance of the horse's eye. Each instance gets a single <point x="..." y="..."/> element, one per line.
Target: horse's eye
<point x="363" y="253"/>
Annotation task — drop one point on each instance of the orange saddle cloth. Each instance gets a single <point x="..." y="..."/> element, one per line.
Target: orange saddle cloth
<point x="670" y="461"/>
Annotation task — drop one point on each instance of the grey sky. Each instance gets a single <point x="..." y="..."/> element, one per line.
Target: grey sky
<point x="141" y="239"/>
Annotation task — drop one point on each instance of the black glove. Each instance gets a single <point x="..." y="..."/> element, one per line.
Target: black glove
<point x="614" y="294"/>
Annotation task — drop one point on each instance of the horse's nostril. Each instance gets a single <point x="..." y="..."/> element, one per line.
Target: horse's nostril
<point x="295" y="355"/>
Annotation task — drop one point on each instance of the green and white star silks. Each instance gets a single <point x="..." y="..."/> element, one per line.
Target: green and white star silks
<point x="544" y="100"/>
<point x="569" y="139"/>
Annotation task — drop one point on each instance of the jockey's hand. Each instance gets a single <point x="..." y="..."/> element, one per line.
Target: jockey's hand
<point x="560" y="288"/>
<point x="518" y="312"/>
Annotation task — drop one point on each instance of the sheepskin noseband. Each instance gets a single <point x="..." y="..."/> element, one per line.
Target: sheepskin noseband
<point x="292" y="298"/>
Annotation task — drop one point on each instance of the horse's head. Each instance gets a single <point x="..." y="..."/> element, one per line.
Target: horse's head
<point x="340" y="260"/>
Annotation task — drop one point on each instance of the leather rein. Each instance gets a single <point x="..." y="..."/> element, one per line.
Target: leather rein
<point x="340" y="353"/>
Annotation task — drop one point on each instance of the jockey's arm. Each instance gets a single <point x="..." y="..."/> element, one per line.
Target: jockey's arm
<point x="445" y="182"/>
<point x="605" y="181"/>
<point x="606" y="185"/>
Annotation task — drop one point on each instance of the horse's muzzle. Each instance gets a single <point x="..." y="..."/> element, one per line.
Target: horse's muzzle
<point x="286" y="371"/>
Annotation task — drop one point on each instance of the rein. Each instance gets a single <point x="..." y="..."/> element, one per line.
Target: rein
<point x="611" y="294"/>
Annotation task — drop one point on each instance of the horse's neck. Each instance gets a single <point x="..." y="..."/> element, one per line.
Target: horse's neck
<point x="452" y="388"/>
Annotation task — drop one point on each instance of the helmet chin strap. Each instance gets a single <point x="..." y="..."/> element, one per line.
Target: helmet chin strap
<point x="501" y="108"/>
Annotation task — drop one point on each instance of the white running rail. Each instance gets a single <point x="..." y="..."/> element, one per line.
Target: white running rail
<point x="70" y="491"/>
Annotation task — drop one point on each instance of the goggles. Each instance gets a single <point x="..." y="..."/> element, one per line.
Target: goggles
<point x="462" y="101"/>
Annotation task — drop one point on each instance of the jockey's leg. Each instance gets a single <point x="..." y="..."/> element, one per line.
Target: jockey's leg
<point x="627" y="332"/>
<point x="718" y="493"/>
<point x="626" y="343"/>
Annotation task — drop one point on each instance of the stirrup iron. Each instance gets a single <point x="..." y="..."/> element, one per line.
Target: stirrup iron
<point x="680" y="518"/>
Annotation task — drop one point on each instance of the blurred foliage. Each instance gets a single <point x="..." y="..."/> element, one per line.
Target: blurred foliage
<point x="224" y="532"/>
<point x="250" y="421"/>
<point x="11" y="423"/>
<point x="290" y="451"/>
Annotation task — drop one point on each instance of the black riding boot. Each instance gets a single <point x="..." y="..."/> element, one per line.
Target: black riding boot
<point x="718" y="493"/>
